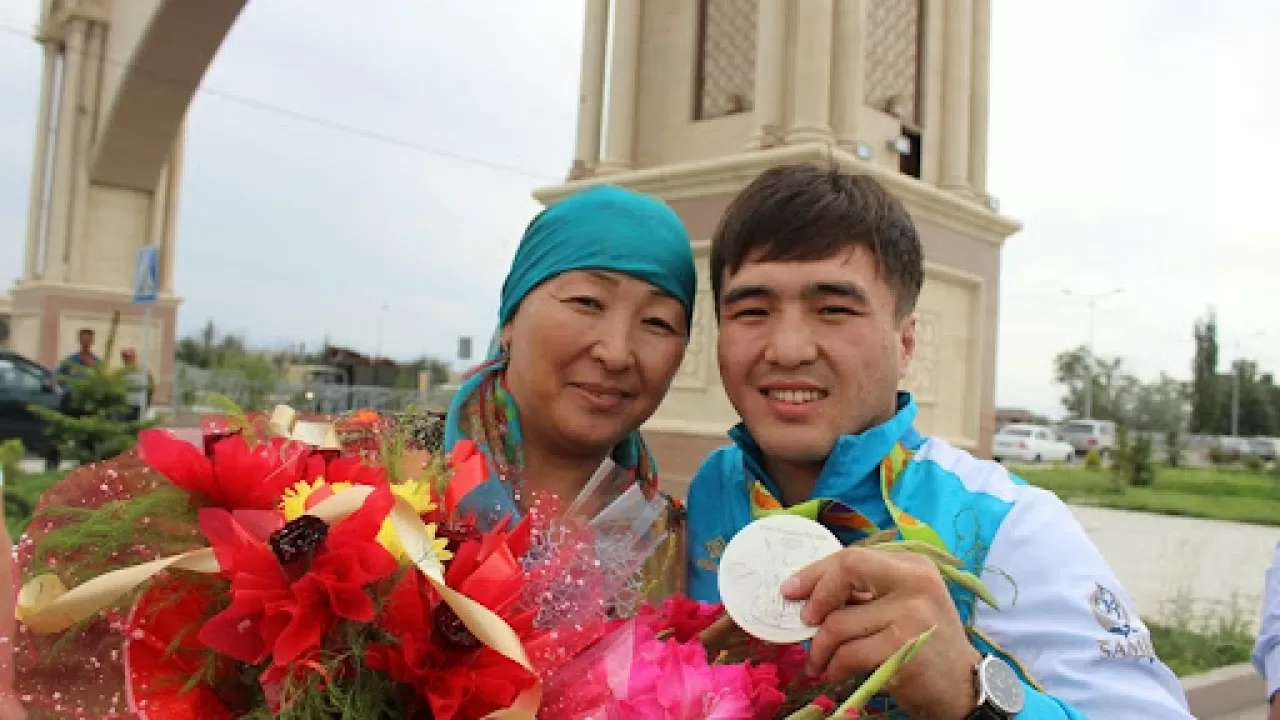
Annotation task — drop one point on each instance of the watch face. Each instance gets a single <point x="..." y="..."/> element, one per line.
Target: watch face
<point x="1003" y="686"/>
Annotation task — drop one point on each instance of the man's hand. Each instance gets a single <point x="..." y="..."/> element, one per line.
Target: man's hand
<point x="869" y="603"/>
<point x="1274" y="714"/>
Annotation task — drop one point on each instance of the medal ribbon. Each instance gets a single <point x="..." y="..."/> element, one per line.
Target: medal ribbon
<point x="840" y="517"/>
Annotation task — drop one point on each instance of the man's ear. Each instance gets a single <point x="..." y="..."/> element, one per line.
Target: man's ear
<point x="907" y="335"/>
<point x="504" y="338"/>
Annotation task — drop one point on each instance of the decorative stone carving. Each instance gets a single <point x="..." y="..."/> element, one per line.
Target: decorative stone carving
<point x="893" y="55"/>
<point x="693" y="369"/>
<point x="728" y="61"/>
<point x="922" y="374"/>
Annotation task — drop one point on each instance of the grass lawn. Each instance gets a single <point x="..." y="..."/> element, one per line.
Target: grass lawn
<point x="21" y="492"/>
<point x="1221" y="494"/>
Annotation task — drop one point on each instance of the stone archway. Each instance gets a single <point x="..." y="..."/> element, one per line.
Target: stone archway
<point x="118" y="77"/>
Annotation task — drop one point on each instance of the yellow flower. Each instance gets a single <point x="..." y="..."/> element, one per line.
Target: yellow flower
<point x="418" y="495"/>
<point x="294" y="502"/>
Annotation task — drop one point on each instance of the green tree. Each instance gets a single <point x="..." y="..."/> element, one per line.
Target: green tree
<point x="1162" y="406"/>
<point x="1257" y="408"/>
<point x="1206" y="387"/>
<point x="1114" y="390"/>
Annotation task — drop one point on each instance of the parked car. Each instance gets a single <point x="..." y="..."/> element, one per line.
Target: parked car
<point x="1029" y="443"/>
<point x="24" y="382"/>
<point x="1086" y="435"/>
<point x="1264" y="448"/>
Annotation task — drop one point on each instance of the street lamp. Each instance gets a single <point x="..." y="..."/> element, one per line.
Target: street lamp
<point x="1235" y="382"/>
<point x="1092" y="300"/>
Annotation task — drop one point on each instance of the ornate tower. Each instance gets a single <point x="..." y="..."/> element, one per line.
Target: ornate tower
<point x="704" y="95"/>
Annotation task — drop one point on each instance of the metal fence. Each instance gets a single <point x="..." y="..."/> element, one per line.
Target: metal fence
<point x="191" y="387"/>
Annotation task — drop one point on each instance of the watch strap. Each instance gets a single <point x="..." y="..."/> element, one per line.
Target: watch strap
<point x="985" y="712"/>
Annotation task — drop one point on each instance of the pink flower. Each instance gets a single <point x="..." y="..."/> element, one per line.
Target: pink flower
<point x="671" y="680"/>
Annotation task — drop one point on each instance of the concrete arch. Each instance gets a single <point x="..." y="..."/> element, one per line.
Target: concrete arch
<point x="166" y="46"/>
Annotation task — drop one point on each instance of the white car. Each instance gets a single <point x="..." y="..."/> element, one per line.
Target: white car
<point x="1029" y="444"/>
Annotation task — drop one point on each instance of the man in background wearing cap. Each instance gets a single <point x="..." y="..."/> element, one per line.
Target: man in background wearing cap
<point x="138" y="383"/>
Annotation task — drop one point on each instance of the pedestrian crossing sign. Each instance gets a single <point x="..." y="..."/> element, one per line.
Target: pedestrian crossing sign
<point x="146" y="274"/>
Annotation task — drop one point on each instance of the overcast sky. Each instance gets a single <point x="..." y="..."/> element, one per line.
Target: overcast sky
<point x="340" y="160"/>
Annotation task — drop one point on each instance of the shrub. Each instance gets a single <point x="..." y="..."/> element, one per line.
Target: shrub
<point x="1253" y="463"/>
<point x="1172" y="448"/>
<point x="1141" y="471"/>
<point x="1093" y="460"/>
<point x="11" y="453"/>
<point x="1120" y="460"/>
<point x="97" y="424"/>
<point x="1223" y="456"/>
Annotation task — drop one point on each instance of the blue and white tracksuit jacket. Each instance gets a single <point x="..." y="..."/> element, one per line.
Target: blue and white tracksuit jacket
<point x="1064" y="621"/>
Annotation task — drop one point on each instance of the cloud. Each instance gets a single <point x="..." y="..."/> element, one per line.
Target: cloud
<point x="1134" y="141"/>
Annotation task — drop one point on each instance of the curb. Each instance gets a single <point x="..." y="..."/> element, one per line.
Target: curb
<point x="1225" y="690"/>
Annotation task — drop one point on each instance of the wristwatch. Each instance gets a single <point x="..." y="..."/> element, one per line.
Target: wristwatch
<point x="1000" y="693"/>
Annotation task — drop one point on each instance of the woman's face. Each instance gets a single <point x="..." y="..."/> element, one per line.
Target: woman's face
<point x="592" y="354"/>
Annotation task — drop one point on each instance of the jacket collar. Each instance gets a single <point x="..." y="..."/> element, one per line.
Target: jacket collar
<point x="853" y="458"/>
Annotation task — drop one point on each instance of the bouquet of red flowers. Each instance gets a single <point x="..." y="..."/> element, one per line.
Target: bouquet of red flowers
<point x="299" y="569"/>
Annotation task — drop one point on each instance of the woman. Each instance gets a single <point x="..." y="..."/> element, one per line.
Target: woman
<point x="593" y="322"/>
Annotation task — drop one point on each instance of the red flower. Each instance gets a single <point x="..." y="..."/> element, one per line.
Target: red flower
<point x="435" y="654"/>
<point x="686" y="618"/>
<point x="468" y="470"/>
<point x="161" y="654"/>
<point x="766" y="698"/>
<point x="350" y="469"/>
<point x="235" y="476"/>
<point x="283" y="613"/>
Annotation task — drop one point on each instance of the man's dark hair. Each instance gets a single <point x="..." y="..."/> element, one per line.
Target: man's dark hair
<point x="805" y="213"/>
<point x="86" y="331"/>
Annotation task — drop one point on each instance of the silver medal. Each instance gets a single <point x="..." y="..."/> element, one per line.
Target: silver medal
<point x="756" y="563"/>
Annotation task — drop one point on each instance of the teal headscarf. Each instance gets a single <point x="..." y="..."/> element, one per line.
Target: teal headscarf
<point x="602" y="228"/>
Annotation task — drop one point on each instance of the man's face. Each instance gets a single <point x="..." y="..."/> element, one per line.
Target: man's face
<point x="810" y="351"/>
<point x="86" y="341"/>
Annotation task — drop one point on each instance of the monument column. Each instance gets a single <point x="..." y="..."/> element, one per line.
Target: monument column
<point x="95" y="36"/>
<point x="771" y="60"/>
<point x="64" y="154"/>
<point x="35" y="212"/>
<point x="595" y="42"/>
<point x="622" y="88"/>
<point x="956" y="87"/>
<point x="850" y="68"/>
<point x="980" y="96"/>
<point x="811" y="79"/>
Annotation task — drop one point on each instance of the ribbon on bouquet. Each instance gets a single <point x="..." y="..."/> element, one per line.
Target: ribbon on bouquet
<point x="45" y="605"/>
<point x="285" y="423"/>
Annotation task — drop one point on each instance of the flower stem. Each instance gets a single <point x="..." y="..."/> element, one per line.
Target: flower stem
<point x="883" y="674"/>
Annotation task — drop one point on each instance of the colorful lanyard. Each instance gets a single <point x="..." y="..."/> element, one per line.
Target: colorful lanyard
<point x="843" y="519"/>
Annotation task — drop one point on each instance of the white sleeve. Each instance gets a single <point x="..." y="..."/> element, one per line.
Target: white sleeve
<point x="1067" y="620"/>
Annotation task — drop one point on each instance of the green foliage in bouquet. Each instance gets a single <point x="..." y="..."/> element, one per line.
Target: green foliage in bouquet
<point x="94" y="424"/>
<point x="361" y="694"/>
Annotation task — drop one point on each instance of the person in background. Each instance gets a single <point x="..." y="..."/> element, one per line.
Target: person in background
<point x="1266" y="650"/>
<point x="80" y="359"/>
<point x="139" y="383"/>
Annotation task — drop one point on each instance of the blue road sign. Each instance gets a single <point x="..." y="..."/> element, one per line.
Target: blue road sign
<point x="146" y="275"/>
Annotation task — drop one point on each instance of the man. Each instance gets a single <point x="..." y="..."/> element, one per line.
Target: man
<point x="80" y="359"/>
<point x="816" y="275"/>
<point x="1266" y="651"/>
<point x="139" y="383"/>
